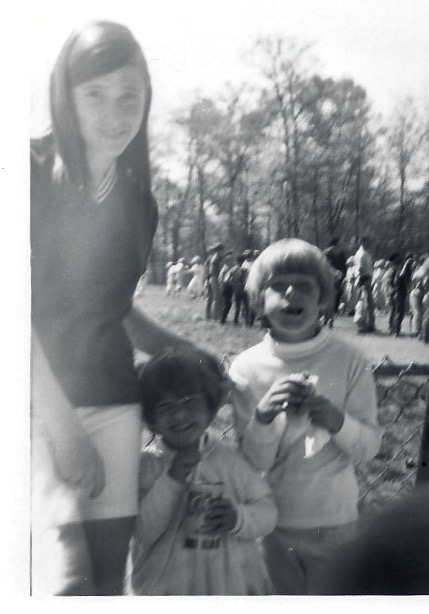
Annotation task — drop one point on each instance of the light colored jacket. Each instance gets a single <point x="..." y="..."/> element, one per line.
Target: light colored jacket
<point x="363" y="263"/>
<point x="162" y="565"/>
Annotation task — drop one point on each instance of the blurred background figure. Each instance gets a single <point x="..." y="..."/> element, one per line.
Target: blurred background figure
<point x="377" y="286"/>
<point x="238" y="276"/>
<point x="363" y="262"/>
<point x="400" y="278"/>
<point x="196" y="285"/>
<point x="226" y="286"/>
<point x="180" y="275"/>
<point x="337" y="259"/>
<point x="418" y="283"/>
<point x="171" y="278"/>
<point x="350" y="288"/>
<point x="416" y="298"/>
<point x="392" y="285"/>
<point x="213" y="266"/>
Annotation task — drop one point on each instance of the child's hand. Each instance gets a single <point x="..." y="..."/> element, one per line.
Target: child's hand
<point x="284" y="395"/>
<point x="183" y="464"/>
<point x="323" y="413"/>
<point x="221" y="517"/>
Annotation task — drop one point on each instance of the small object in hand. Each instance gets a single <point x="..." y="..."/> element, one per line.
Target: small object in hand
<point x="200" y="497"/>
<point x="315" y="437"/>
<point x="309" y="381"/>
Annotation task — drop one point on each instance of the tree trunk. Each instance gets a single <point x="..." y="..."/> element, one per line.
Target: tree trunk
<point x="314" y="206"/>
<point x="401" y="212"/>
<point x="357" y="201"/>
<point x="330" y="221"/>
<point x="231" y="207"/>
<point x="201" y="223"/>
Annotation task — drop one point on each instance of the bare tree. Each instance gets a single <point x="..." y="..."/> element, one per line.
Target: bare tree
<point x="405" y="138"/>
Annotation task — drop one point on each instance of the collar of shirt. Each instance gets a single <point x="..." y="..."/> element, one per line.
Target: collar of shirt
<point x="106" y="186"/>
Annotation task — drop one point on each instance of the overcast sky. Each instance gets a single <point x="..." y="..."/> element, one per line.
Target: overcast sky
<point x="195" y="45"/>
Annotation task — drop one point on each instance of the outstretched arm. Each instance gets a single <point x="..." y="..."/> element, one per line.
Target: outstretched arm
<point x="149" y="336"/>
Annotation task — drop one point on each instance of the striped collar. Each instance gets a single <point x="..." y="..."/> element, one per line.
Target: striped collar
<point x="106" y="186"/>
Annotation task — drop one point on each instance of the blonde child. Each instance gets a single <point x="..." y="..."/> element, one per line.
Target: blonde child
<point x="305" y="437"/>
<point x="188" y="542"/>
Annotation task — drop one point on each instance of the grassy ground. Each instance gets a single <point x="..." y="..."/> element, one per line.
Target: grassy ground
<point x="401" y="408"/>
<point x="186" y="316"/>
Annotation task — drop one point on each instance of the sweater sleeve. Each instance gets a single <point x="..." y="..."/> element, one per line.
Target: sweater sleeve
<point x="256" y="509"/>
<point x="258" y="442"/>
<point x="159" y="496"/>
<point x="360" y="435"/>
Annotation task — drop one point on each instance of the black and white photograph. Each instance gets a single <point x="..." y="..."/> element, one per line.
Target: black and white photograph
<point x="227" y="290"/>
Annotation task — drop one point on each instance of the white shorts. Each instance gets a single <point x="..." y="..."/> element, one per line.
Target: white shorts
<point x="116" y="432"/>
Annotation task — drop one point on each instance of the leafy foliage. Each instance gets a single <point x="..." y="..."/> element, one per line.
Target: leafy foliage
<point x="291" y="154"/>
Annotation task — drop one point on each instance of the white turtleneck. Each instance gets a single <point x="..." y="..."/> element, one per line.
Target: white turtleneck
<point x="320" y="490"/>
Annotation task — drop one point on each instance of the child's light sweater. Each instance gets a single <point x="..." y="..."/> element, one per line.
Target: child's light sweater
<point x="321" y="490"/>
<point x="162" y="565"/>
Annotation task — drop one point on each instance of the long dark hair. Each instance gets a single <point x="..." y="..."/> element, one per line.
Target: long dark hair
<point x="94" y="50"/>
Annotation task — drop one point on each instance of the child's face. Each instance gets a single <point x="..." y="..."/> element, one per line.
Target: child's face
<point x="292" y="306"/>
<point x="181" y="421"/>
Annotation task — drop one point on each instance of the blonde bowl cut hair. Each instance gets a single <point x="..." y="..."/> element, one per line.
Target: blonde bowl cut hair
<point x="290" y="256"/>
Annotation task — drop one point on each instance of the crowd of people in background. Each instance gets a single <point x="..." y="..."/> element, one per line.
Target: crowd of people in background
<point x="364" y="288"/>
<point x="220" y="280"/>
<point x="393" y="287"/>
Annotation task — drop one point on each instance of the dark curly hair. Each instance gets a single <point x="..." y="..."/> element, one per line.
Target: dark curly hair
<point x="180" y="372"/>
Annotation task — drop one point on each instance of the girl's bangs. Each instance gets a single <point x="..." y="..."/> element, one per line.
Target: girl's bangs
<point x="101" y="50"/>
<point x="297" y="262"/>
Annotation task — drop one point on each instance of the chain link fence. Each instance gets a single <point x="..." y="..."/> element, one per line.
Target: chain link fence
<point x="403" y="410"/>
<point x="403" y="397"/>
